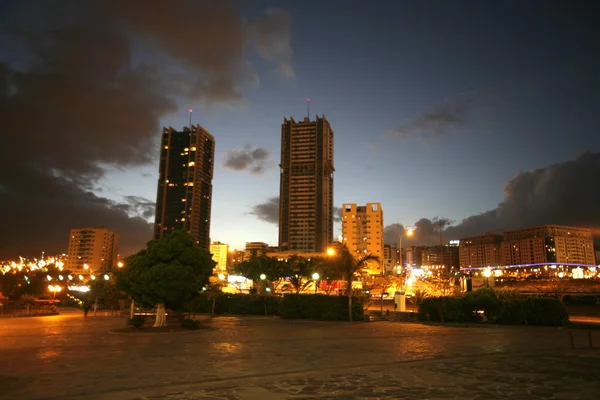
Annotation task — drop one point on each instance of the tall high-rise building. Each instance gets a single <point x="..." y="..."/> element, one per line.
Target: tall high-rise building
<point x="92" y="250"/>
<point x="362" y="232"/>
<point x="185" y="183"/>
<point x="220" y="255"/>
<point x="306" y="185"/>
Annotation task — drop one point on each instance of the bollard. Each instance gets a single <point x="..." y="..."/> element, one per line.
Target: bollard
<point x="590" y="339"/>
<point x="572" y="340"/>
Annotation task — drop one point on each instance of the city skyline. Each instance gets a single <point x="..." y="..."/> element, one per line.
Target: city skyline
<point x="436" y="108"/>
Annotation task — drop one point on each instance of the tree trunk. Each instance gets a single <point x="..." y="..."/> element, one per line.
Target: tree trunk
<point x="350" y="300"/>
<point x="161" y="319"/>
<point x="212" y="312"/>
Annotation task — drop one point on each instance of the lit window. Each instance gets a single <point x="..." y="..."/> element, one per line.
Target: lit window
<point x="191" y="164"/>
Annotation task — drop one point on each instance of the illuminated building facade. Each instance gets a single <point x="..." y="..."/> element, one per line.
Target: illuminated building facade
<point x="480" y="251"/>
<point x="255" y="249"/>
<point x="548" y="243"/>
<point x="185" y="183"/>
<point x="306" y="186"/>
<point x="220" y="255"/>
<point x="92" y="250"/>
<point x="362" y="232"/>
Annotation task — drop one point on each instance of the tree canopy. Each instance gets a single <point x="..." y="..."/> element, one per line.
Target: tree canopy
<point x="171" y="270"/>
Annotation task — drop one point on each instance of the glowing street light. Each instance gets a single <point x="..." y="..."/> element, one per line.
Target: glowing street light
<point x="330" y="251"/>
<point x="263" y="277"/>
<point x="106" y="277"/>
<point x="315" y="276"/>
<point x="120" y="264"/>
<point x="54" y="290"/>
<point x="409" y="232"/>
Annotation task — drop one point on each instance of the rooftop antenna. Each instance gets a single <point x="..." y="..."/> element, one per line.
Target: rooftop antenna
<point x="308" y="107"/>
<point x="191" y="111"/>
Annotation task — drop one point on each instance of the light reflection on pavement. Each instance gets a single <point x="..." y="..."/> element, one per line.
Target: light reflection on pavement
<point x="67" y="356"/>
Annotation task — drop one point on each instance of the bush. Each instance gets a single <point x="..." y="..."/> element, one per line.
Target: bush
<point x="241" y="304"/>
<point x="445" y="309"/>
<point x="188" y="323"/>
<point x="137" y="321"/>
<point x="320" y="307"/>
<point x="501" y="308"/>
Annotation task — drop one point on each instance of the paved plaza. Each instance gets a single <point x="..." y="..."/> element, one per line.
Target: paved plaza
<point x="68" y="357"/>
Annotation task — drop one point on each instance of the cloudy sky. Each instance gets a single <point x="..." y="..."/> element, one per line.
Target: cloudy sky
<point x="483" y="114"/>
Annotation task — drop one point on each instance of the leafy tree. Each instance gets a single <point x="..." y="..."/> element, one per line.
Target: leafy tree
<point x="170" y="272"/>
<point x="299" y="270"/>
<point x="347" y="266"/>
<point x="257" y="266"/>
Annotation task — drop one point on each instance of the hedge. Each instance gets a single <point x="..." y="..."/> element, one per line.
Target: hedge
<point x="320" y="307"/>
<point x="241" y="304"/>
<point x="497" y="308"/>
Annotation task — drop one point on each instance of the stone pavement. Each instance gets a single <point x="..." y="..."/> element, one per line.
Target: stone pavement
<point x="67" y="357"/>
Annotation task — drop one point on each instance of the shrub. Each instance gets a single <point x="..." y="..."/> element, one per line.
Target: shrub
<point x="320" y="307"/>
<point x="547" y="311"/>
<point x="445" y="309"/>
<point x="188" y="323"/>
<point x="137" y="321"/>
<point x="241" y="304"/>
<point x="501" y="308"/>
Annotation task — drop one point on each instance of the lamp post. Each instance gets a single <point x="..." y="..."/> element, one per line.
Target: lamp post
<point x="316" y="277"/>
<point x="409" y="232"/>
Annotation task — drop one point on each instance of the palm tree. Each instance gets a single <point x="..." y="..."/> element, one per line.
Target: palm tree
<point x="346" y="265"/>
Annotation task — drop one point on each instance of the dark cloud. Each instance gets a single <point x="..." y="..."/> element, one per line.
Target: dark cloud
<point x="84" y="85"/>
<point x="424" y="232"/>
<point x="137" y="206"/>
<point x="453" y="114"/>
<point x="274" y="47"/>
<point x="249" y="159"/>
<point x="563" y="194"/>
<point x="267" y="211"/>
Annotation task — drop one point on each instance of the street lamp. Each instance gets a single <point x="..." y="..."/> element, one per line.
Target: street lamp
<point x="120" y="264"/>
<point x="263" y="277"/>
<point x="487" y="273"/>
<point x="316" y="277"/>
<point x="54" y="290"/>
<point x="409" y="232"/>
<point x="330" y="251"/>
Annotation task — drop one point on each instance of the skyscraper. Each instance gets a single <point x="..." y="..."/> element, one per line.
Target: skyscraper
<point x="92" y="250"/>
<point x="306" y="185"/>
<point x="185" y="183"/>
<point x="362" y="232"/>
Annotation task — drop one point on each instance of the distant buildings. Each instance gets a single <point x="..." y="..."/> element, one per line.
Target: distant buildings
<point x="548" y="243"/>
<point x="362" y="232"/>
<point x="534" y="245"/>
<point x="483" y="250"/>
<point x="255" y="249"/>
<point x="92" y="250"/>
<point x="306" y="186"/>
<point x="391" y="257"/>
<point x="185" y="183"/>
<point x="220" y="255"/>
<point x="414" y="256"/>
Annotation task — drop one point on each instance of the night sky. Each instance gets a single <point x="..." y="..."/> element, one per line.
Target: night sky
<point x="486" y="114"/>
